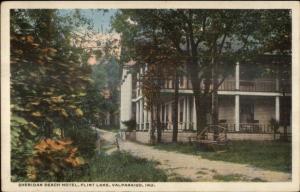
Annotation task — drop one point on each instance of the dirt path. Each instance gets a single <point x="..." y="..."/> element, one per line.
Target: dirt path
<point x="106" y="140"/>
<point x="197" y="168"/>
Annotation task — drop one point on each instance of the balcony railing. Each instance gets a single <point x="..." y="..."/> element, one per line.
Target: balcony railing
<point x="257" y="85"/>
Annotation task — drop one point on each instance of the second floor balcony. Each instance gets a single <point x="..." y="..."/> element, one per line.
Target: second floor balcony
<point x="256" y="85"/>
<point x="246" y="79"/>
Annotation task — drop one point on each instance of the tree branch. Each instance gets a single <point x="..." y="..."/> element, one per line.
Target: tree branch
<point x="218" y="85"/>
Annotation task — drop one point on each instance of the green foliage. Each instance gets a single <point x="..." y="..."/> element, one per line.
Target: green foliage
<point x="130" y="124"/>
<point x="208" y="42"/>
<point x="52" y="159"/>
<point x="93" y="104"/>
<point x="120" y="167"/>
<point x="105" y="77"/>
<point x="48" y="82"/>
<point x="232" y="177"/>
<point x="178" y="178"/>
<point x="83" y="138"/>
<point x="236" y="177"/>
<point x="22" y="142"/>
<point x="44" y="71"/>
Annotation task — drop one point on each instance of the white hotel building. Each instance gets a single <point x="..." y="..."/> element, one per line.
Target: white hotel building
<point x="246" y="105"/>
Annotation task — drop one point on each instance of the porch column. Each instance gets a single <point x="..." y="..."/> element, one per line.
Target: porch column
<point x="160" y="113"/>
<point x="178" y="114"/>
<point x="145" y="117"/>
<point x="277" y="108"/>
<point x="184" y="113"/>
<point x="237" y="112"/>
<point x="141" y="114"/>
<point x="194" y="114"/>
<point x="137" y="85"/>
<point x="170" y="116"/>
<point x="165" y="113"/>
<point x="237" y="76"/>
<point x="188" y="112"/>
<point x="137" y="112"/>
<point x="150" y="119"/>
<point x="237" y="97"/>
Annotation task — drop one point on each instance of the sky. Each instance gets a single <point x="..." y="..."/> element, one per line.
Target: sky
<point x="101" y="20"/>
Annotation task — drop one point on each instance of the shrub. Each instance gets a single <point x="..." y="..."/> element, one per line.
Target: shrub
<point x="130" y="124"/>
<point x="84" y="139"/>
<point x="52" y="159"/>
<point x="23" y="138"/>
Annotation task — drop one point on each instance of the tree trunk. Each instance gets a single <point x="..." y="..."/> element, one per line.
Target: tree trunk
<point x="284" y="103"/>
<point x="214" y="109"/>
<point x="175" y="109"/>
<point x="193" y="69"/>
<point x="152" y="129"/>
<point x="158" y="126"/>
<point x="201" y="103"/>
<point x="111" y="124"/>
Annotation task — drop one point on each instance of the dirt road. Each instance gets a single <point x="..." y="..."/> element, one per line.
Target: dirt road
<point x="196" y="168"/>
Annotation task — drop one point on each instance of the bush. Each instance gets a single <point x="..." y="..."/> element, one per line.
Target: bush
<point x="130" y="124"/>
<point x="44" y="70"/>
<point x="84" y="139"/>
<point x="52" y="159"/>
<point x="23" y="138"/>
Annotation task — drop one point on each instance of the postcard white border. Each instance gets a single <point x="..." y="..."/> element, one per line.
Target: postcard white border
<point x="7" y="185"/>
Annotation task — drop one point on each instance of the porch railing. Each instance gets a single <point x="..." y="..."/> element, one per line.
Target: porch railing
<point x="247" y="128"/>
<point x="230" y="128"/>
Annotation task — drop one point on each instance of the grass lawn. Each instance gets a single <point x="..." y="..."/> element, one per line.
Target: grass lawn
<point x="272" y="155"/>
<point x="235" y="177"/>
<point x="121" y="167"/>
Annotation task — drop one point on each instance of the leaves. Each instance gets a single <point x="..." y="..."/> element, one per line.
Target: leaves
<point x="46" y="71"/>
<point x="31" y="173"/>
<point x="54" y="157"/>
<point x="36" y="114"/>
<point x="57" y="99"/>
<point x="64" y="113"/>
<point x="79" y="112"/>
<point x="19" y="120"/>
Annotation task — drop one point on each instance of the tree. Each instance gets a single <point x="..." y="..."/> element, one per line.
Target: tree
<point x="151" y="50"/>
<point x="45" y="103"/>
<point x="162" y="65"/>
<point x="209" y="41"/>
<point x="276" y="39"/>
<point x="176" y="33"/>
<point x="104" y="78"/>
